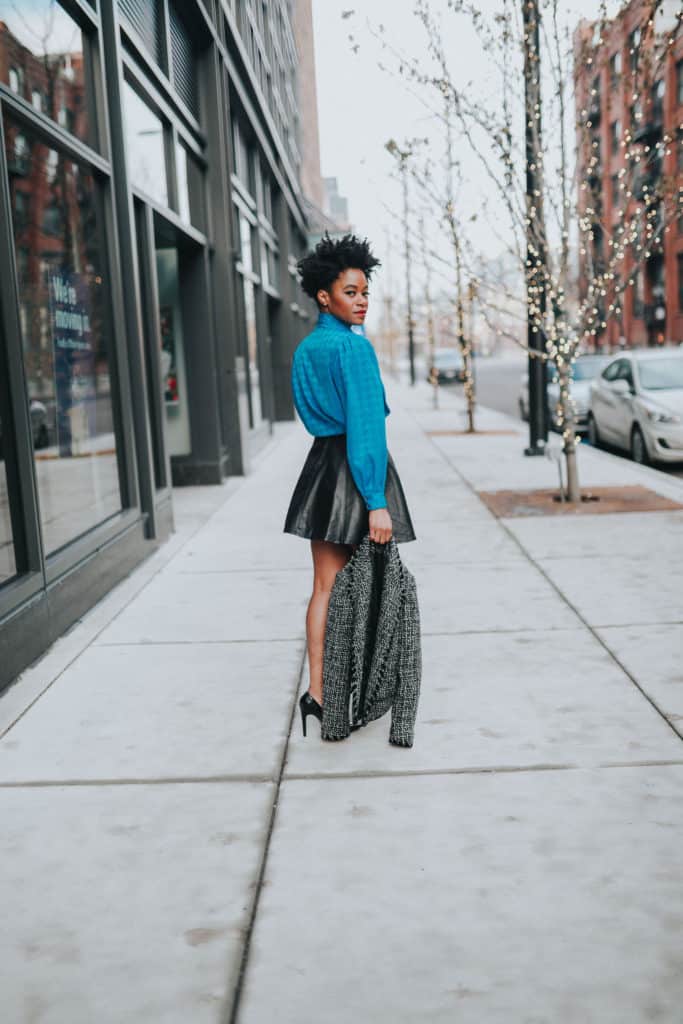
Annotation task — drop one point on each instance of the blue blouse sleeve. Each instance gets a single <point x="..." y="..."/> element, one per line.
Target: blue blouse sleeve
<point x="362" y="396"/>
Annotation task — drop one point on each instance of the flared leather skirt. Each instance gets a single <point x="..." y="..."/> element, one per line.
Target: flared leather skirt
<point x="327" y="505"/>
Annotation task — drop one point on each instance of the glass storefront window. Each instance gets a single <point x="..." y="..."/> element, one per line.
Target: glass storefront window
<point x="8" y="567"/>
<point x="63" y="312"/>
<point x="177" y="420"/>
<point x="252" y="353"/>
<point x="42" y="60"/>
<point x="145" y="146"/>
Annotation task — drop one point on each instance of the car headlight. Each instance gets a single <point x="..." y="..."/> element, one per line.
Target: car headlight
<point x="659" y="416"/>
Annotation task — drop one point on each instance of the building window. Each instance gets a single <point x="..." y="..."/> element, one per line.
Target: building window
<point x="679" y="83"/>
<point x="679" y="262"/>
<point x="658" y="91"/>
<point x="182" y="187"/>
<point x="183" y="59"/>
<point x="637" y="290"/>
<point x="634" y="46"/>
<point x="189" y="187"/>
<point x="615" y="134"/>
<point x="14" y="80"/>
<point x="241" y="154"/>
<point x="615" y="68"/>
<point x="635" y="115"/>
<point x="145" y="146"/>
<point x="616" y="194"/>
<point x="64" y="312"/>
<point x="255" y="405"/>
<point x="145" y="17"/>
<point x="53" y="62"/>
<point x="246" y="252"/>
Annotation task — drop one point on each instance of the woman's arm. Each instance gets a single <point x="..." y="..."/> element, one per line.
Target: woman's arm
<point x="363" y="398"/>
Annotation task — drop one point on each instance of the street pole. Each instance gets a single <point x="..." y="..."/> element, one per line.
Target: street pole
<point x="535" y="250"/>
<point x="406" y="231"/>
<point x="431" y="336"/>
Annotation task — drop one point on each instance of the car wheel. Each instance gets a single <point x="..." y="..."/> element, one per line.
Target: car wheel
<point x="593" y="433"/>
<point x="639" y="452"/>
<point x="522" y="411"/>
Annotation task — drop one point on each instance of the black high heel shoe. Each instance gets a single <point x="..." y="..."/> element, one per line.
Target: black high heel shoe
<point x="309" y="706"/>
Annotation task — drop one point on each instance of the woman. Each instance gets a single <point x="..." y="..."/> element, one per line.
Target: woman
<point x="349" y="485"/>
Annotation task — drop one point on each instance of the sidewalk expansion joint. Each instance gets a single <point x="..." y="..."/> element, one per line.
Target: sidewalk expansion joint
<point x="593" y="630"/>
<point x="484" y="770"/>
<point x="232" y="1002"/>
<point x="185" y="643"/>
<point x="166" y="780"/>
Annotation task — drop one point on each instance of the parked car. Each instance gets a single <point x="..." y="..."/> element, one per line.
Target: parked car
<point x="637" y="404"/>
<point x="585" y="368"/>
<point x="448" y="364"/>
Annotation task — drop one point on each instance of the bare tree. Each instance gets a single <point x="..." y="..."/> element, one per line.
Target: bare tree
<point x="612" y="253"/>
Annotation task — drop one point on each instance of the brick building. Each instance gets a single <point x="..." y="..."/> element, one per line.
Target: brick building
<point x="629" y="93"/>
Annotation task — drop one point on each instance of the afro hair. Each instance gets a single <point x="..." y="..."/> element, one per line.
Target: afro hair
<point x="321" y="267"/>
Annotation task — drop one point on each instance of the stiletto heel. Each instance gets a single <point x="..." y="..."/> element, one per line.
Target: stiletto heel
<point x="309" y="706"/>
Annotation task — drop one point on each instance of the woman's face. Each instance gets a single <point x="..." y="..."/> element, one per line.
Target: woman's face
<point x="347" y="297"/>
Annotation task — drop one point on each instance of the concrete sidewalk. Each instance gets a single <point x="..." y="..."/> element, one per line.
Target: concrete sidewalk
<point x="173" y="850"/>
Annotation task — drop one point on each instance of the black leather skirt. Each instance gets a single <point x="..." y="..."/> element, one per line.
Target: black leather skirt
<point x="327" y="505"/>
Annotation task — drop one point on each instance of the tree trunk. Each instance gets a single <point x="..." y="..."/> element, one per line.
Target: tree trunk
<point x="465" y="345"/>
<point x="568" y="424"/>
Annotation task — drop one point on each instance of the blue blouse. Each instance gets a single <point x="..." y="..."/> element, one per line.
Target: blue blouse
<point x="337" y="389"/>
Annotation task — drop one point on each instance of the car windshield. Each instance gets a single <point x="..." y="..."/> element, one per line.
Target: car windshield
<point x="661" y="374"/>
<point x="447" y="358"/>
<point x="586" y="369"/>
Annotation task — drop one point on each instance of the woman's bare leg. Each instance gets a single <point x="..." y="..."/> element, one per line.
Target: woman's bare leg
<point x="328" y="559"/>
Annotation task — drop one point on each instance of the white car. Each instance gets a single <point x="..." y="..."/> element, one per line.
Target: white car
<point x="637" y="404"/>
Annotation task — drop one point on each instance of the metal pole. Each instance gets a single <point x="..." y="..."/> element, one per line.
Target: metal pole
<point x="409" y="299"/>
<point x="535" y="252"/>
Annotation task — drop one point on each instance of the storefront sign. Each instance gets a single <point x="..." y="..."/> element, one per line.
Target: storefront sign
<point x="74" y="359"/>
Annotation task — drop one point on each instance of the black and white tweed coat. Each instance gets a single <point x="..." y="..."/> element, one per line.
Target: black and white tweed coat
<point x="372" y="657"/>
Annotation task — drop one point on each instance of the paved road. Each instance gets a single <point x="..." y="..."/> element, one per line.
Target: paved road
<point x="497" y="382"/>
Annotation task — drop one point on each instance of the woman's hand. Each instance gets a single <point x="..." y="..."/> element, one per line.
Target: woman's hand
<point x="380" y="525"/>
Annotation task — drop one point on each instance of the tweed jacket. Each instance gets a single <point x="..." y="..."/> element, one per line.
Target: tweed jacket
<point x="372" y="658"/>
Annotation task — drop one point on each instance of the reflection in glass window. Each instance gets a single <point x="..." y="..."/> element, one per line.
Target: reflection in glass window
<point x="63" y="312"/>
<point x="245" y="244"/>
<point x="252" y="354"/>
<point x="181" y="182"/>
<point x="41" y="53"/>
<point x="8" y="566"/>
<point x="190" y="185"/>
<point x="145" y="146"/>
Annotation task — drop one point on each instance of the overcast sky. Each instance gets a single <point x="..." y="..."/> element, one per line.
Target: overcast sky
<point x="361" y="107"/>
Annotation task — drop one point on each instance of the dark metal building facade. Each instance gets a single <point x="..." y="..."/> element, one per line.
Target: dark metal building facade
<point x="150" y="222"/>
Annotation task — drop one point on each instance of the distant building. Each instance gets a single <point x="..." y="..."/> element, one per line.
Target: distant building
<point x="629" y="99"/>
<point x="336" y="205"/>
<point x="325" y="210"/>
